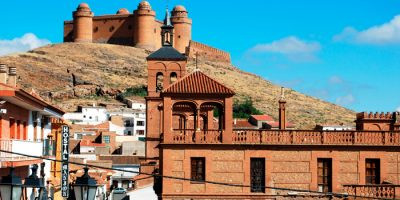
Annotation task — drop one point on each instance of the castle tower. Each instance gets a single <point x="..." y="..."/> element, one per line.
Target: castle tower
<point x="183" y="28"/>
<point x="83" y="23"/>
<point x="282" y="110"/>
<point x="165" y="66"/>
<point x="144" y="34"/>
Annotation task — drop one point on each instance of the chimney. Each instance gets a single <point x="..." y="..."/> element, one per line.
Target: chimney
<point x="12" y="76"/>
<point x="3" y="73"/>
<point x="282" y="110"/>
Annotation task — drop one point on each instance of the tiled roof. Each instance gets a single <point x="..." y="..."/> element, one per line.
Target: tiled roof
<point x="240" y="123"/>
<point x="263" y="117"/>
<point x="198" y="83"/>
<point x="166" y="53"/>
<point x="276" y="124"/>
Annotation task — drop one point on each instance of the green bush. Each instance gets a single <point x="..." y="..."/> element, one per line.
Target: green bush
<point x="244" y="109"/>
<point x="140" y="91"/>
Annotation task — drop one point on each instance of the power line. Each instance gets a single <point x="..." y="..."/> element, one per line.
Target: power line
<point x="187" y="179"/>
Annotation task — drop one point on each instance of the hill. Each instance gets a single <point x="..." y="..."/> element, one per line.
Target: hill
<point x="69" y="74"/>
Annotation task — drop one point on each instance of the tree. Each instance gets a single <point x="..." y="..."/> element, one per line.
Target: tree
<point x="244" y="109"/>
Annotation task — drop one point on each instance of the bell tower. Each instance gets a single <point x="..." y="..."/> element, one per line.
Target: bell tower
<point x="164" y="67"/>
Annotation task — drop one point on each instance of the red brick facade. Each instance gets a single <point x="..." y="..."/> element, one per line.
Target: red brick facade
<point x="192" y="143"/>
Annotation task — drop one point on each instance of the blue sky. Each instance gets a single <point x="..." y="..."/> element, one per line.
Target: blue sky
<point x="345" y="52"/>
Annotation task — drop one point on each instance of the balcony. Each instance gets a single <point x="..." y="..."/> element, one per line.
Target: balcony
<point x="34" y="148"/>
<point x="374" y="191"/>
<point x="299" y="137"/>
<point x="289" y="137"/>
<point x="192" y="137"/>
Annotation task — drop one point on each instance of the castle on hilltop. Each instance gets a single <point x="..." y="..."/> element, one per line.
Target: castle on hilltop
<point x="139" y="29"/>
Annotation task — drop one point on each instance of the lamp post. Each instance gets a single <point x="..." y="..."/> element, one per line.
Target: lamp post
<point x="85" y="187"/>
<point x="11" y="186"/>
<point x="36" y="183"/>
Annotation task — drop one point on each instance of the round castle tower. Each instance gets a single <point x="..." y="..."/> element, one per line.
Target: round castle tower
<point x="83" y="23"/>
<point x="182" y="28"/>
<point x="144" y="35"/>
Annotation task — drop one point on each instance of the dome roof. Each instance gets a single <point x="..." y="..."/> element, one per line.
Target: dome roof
<point x="144" y="5"/>
<point x="179" y="8"/>
<point x="122" y="11"/>
<point x="83" y="5"/>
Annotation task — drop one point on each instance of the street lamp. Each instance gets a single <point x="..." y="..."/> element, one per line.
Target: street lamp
<point x="11" y="186"/>
<point x="34" y="182"/>
<point x="85" y="187"/>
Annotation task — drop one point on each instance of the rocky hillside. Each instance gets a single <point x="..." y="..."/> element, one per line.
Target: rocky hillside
<point x="70" y="74"/>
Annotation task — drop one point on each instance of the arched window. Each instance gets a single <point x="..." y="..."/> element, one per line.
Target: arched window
<point x="173" y="77"/>
<point x="159" y="82"/>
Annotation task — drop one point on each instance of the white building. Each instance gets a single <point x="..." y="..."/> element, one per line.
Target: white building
<point x="128" y="122"/>
<point x="91" y="115"/>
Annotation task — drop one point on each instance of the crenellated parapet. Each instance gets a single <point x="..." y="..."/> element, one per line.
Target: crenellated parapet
<point x="375" y="116"/>
<point x="207" y="52"/>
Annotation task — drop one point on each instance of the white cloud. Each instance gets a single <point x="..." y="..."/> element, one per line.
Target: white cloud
<point x="25" y="43"/>
<point x="398" y="109"/>
<point x="335" y="80"/>
<point x="289" y="45"/>
<point x="387" y="33"/>
<point x="345" y="100"/>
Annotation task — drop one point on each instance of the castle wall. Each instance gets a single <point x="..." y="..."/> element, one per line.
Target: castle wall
<point x="114" y="29"/>
<point x="294" y="168"/>
<point x="207" y="52"/>
<point x="117" y="29"/>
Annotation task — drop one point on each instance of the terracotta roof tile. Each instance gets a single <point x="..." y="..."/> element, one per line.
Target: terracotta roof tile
<point x="242" y="124"/>
<point x="263" y="117"/>
<point x="198" y="83"/>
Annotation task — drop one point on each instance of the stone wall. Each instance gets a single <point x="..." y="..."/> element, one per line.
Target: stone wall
<point x="295" y="169"/>
<point x="207" y="52"/>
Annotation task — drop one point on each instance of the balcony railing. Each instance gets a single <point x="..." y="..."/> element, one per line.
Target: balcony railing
<point x="34" y="148"/>
<point x="289" y="137"/>
<point x="373" y="191"/>
<point x="300" y="137"/>
<point x="190" y="136"/>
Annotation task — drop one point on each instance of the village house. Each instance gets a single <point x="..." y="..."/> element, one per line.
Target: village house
<point x="26" y="127"/>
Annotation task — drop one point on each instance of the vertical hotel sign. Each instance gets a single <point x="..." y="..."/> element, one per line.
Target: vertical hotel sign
<point x="64" y="159"/>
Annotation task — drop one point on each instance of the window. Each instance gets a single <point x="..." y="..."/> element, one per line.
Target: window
<point x="140" y="132"/>
<point x="140" y="123"/>
<point x="198" y="172"/>
<point x="324" y="175"/>
<point x="173" y="77"/>
<point x="106" y="139"/>
<point x="12" y="128"/>
<point x="372" y="171"/>
<point x="159" y="82"/>
<point x="257" y="173"/>
<point x="129" y="133"/>
<point x="79" y="136"/>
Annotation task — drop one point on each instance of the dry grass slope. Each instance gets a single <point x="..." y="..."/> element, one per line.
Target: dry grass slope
<point x="69" y="74"/>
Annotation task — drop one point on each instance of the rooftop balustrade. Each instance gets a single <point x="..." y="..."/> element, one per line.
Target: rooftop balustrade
<point x="288" y="137"/>
<point x="384" y="191"/>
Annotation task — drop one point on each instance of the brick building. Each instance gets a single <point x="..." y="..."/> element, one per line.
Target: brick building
<point x="362" y="162"/>
<point x="25" y="127"/>
<point x="140" y="29"/>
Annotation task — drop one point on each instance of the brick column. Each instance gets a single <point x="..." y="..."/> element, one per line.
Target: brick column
<point x="167" y="116"/>
<point x="228" y="117"/>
